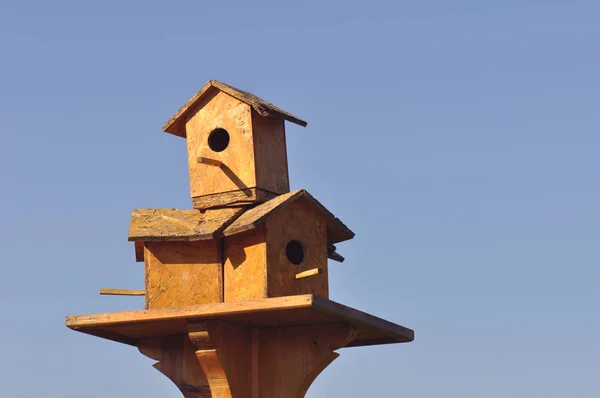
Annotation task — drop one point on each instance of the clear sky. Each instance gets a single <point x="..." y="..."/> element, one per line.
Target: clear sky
<point x="458" y="139"/>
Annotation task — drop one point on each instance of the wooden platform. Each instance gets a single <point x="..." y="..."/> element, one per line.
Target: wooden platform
<point x="131" y="326"/>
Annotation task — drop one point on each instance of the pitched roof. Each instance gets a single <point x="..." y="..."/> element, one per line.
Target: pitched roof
<point x="176" y="125"/>
<point x="336" y="230"/>
<point x="177" y="225"/>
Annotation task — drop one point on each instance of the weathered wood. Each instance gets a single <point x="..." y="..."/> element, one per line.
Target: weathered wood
<point x="183" y="273"/>
<point x="336" y="230"/>
<point x="122" y="292"/>
<point x="237" y="198"/>
<point x="310" y="272"/>
<point x="179" y="225"/>
<point x="176" y="125"/>
<point x="132" y="326"/>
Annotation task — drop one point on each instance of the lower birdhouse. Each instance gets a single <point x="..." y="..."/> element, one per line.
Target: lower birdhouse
<point x="280" y="248"/>
<point x="182" y="257"/>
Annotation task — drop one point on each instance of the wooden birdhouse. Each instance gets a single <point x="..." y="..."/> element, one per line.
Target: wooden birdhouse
<point x="236" y="146"/>
<point x="277" y="248"/>
<point x="280" y="248"/>
<point x="237" y="296"/>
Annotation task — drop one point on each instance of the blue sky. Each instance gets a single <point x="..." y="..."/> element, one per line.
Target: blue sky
<point x="459" y="140"/>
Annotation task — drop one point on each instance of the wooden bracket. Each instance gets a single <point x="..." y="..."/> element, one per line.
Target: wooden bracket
<point x="222" y="360"/>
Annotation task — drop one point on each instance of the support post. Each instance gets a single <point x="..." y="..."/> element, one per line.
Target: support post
<point x="234" y="361"/>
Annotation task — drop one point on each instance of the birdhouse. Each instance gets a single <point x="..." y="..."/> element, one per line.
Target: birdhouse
<point x="280" y="248"/>
<point x="236" y="146"/>
<point x="237" y="296"/>
<point x="182" y="254"/>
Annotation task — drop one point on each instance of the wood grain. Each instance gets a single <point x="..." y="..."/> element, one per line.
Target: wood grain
<point x="237" y="170"/>
<point x="183" y="273"/>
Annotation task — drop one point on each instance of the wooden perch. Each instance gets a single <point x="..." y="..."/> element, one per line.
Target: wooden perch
<point x="209" y="161"/>
<point x="122" y="292"/>
<point x="310" y="272"/>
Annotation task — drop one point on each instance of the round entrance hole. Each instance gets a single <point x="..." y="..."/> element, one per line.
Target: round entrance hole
<point x="218" y="140"/>
<point x="294" y="252"/>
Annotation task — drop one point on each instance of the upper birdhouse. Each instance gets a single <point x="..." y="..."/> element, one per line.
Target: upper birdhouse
<point x="236" y="146"/>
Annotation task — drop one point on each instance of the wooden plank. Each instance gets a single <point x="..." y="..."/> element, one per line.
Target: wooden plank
<point x="131" y="326"/>
<point x="122" y="292"/>
<point x="176" y="124"/>
<point x="310" y="272"/>
<point x="183" y="273"/>
<point x="270" y="154"/>
<point x="336" y="230"/>
<point x="236" y="198"/>
<point x="179" y="225"/>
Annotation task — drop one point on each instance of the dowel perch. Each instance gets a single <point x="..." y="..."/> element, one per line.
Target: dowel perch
<point x="209" y="161"/>
<point x="122" y="292"/>
<point x="310" y="272"/>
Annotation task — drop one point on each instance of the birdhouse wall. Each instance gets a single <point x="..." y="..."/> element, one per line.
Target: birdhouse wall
<point x="220" y="110"/>
<point x="183" y="273"/>
<point x="245" y="268"/>
<point x="270" y="154"/>
<point x="296" y="222"/>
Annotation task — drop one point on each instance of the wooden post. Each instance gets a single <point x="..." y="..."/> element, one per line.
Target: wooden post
<point x="244" y="362"/>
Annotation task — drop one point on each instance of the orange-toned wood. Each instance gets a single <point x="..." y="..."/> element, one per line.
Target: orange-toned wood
<point x="241" y="362"/>
<point x="270" y="155"/>
<point x="220" y="110"/>
<point x="177" y="360"/>
<point x="224" y="351"/>
<point x="245" y="268"/>
<point x="310" y="272"/>
<point x="291" y="358"/>
<point x="296" y="222"/>
<point x="183" y="273"/>
<point x="209" y="161"/>
<point x="244" y="362"/>
<point x="132" y="326"/>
